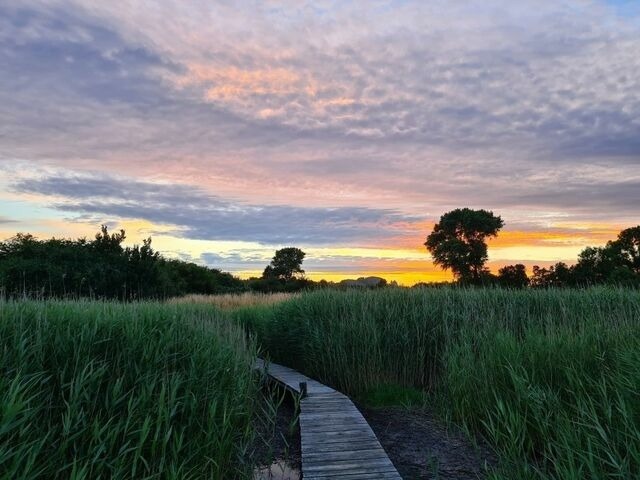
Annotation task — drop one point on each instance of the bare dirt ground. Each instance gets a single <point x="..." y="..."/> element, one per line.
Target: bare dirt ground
<point x="422" y="448"/>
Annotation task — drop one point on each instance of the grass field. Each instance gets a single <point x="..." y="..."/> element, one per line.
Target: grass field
<point x="551" y="378"/>
<point x="114" y="391"/>
<point x="230" y="301"/>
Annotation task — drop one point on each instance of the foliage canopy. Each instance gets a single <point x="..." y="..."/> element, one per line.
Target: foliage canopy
<point x="458" y="242"/>
<point x="101" y="268"/>
<point x="286" y="264"/>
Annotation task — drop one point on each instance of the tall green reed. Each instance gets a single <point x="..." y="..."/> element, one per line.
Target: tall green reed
<point x="550" y="377"/>
<point x="93" y="390"/>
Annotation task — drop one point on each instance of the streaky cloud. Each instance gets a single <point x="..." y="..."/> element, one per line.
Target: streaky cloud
<point x="200" y="215"/>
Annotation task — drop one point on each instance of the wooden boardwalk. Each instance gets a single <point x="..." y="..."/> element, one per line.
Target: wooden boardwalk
<point x="337" y="442"/>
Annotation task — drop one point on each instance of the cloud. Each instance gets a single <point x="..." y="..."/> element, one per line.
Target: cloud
<point x="239" y="259"/>
<point x="199" y="215"/>
<point x="550" y="75"/>
<point x="617" y="198"/>
<point x="379" y="109"/>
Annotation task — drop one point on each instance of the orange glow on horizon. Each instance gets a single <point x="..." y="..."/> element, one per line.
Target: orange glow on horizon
<point x="407" y="279"/>
<point x="402" y="260"/>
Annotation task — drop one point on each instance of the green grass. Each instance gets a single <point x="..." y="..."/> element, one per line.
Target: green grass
<point x="550" y="377"/>
<point x="113" y="391"/>
<point x="394" y="395"/>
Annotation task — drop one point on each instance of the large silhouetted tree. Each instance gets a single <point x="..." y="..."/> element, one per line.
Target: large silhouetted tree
<point x="458" y="242"/>
<point x="286" y="264"/>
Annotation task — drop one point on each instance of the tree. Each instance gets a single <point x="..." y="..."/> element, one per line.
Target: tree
<point x="286" y="264"/>
<point x="108" y="275"/>
<point x="628" y="246"/>
<point x="143" y="269"/>
<point x="558" y="275"/>
<point x="513" y="276"/>
<point x="457" y="242"/>
<point x="616" y="263"/>
<point x="595" y="265"/>
<point x="107" y="242"/>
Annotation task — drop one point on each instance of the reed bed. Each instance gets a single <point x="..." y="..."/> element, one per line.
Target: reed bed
<point x="92" y="390"/>
<point x="229" y="301"/>
<point x="551" y="378"/>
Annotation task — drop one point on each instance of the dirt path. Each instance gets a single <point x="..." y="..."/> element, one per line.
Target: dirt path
<point x="421" y="448"/>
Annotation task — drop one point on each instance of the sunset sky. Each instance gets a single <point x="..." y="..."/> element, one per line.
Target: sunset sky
<point x="227" y="129"/>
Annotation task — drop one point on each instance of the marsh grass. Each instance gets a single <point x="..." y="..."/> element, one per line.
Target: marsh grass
<point x="394" y="395"/>
<point x="550" y="377"/>
<point x="92" y="390"/>
<point x="230" y="301"/>
<point x="273" y="443"/>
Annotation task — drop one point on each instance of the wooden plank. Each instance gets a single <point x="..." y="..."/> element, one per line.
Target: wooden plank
<point x="346" y="463"/>
<point x="335" y="428"/>
<point x="339" y="447"/>
<point x="357" y="476"/>
<point x="351" y="432"/>
<point x="335" y="413"/>
<point x="337" y="442"/>
<point x="345" y="455"/>
<point x="349" y="466"/>
<point x="355" y="471"/>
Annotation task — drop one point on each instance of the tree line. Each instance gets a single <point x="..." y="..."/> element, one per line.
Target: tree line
<point x="458" y="243"/>
<point x="101" y="268"/>
<point x="104" y="268"/>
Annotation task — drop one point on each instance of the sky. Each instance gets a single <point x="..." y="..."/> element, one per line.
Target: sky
<point x="226" y="130"/>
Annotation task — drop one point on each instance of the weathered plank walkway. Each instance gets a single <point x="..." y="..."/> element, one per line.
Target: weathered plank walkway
<point x="337" y="442"/>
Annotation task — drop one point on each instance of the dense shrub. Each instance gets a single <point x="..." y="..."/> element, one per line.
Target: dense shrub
<point x="101" y="268"/>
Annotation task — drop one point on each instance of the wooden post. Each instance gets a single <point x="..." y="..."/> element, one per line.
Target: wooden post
<point x="303" y="389"/>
